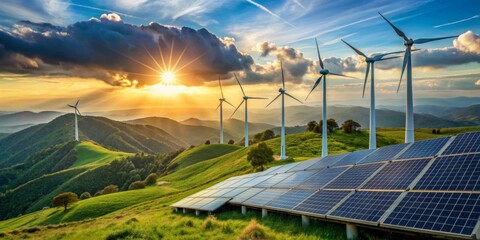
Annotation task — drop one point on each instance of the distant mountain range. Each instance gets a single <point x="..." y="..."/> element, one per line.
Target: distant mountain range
<point x="14" y="122"/>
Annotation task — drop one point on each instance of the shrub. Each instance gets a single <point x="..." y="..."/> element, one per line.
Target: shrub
<point x="207" y="142"/>
<point x="64" y="199"/>
<point x="151" y="179"/>
<point x="350" y="126"/>
<point x="260" y="155"/>
<point x="85" y="195"/>
<point x="136" y="185"/>
<point x="209" y="223"/>
<point x="253" y="231"/>
<point x="110" y="189"/>
<point x="231" y="141"/>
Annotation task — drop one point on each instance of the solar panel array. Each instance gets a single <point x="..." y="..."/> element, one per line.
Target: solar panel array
<point x="430" y="186"/>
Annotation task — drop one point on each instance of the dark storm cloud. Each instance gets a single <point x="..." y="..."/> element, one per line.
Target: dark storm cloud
<point x="116" y="52"/>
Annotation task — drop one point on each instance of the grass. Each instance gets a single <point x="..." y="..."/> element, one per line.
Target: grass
<point x="91" y="153"/>
<point x="202" y="153"/>
<point x="146" y="214"/>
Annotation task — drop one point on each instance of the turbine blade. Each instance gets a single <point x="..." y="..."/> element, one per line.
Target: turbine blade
<point x="239" y="84"/>
<point x="76" y="104"/>
<point x="383" y="59"/>
<point x="398" y="31"/>
<point x="71" y="106"/>
<point x="405" y="60"/>
<point x="78" y="111"/>
<point x="354" y="49"/>
<point x="314" y="86"/>
<point x="293" y="97"/>
<point x="380" y="56"/>
<point x="237" y="108"/>
<point x="341" y="75"/>
<point x="220" y="83"/>
<point x="257" y="98"/>
<point x="283" y="77"/>
<point x="273" y="100"/>
<point x="218" y="106"/>
<point x="425" y="40"/>
<point x="318" y="52"/>
<point x="228" y="103"/>
<point x="366" y="77"/>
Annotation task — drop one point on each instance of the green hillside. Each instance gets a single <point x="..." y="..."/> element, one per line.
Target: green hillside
<point x="146" y="212"/>
<point x="91" y="153"/>
<point x="202" y="153"/>
<point x="17" y="147"/>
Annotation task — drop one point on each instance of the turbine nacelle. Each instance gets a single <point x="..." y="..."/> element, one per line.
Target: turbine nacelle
<point x="245" y="97"/>
<point x="324" y="71"/>
<point x="408" y="43"/>
<point x="281" y="90"/>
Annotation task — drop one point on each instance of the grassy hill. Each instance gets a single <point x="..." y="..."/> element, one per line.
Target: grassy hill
<point x="191" y="134"/>
<point x="232" y="126"/>
<point x="91" y="153"/>
<point x="146" y="213"/>
<point x="16" y="147"/>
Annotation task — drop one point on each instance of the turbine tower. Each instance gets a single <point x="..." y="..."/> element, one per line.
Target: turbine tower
<point x="407" y="61"/>
<point x="282" y="93"/>
<point x="324" y="72"/>
<point x="76" y="111"/>
<point x="371" y="65"/>
<point x="245" y="100"/>
<point x="222" y="99"/>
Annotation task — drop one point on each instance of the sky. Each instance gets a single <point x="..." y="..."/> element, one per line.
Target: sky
<point x="151" y="54"/>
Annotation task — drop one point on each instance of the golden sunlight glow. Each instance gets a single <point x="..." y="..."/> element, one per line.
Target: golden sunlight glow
<point x="168" y="78"/>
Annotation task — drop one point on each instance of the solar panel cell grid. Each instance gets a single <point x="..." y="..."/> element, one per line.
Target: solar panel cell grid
<point x="425" y="148"/>
<point x="354" y="177"/>
<point x="464" y="143"/>
<point x="295" y="179"/>
<point x="321" y="178"/>
<point x="384" y="153"/>
<point x="284" y="168"/>
<point x="290" y="199"/>
<point x="264" y="197"/>
<point x="438" y="211"/>
<point x="246" y="195"/>
<point x="303" y="165"/>
<point x="397" y="175"/>
<point x="353" y="157"/>
<point x="366" y="206"/>
<point x="256" y="181"/>
<point x="234" y="192"/>
<point x="327" y="161"/>
<point x="459" y="172"/>
<point x="241" y="182"/>
<point x="273" y="180"/>
<point x="321" y="202"/>
<point x="214" y="204"/>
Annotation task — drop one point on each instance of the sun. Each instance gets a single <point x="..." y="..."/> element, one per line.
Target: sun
<point x="168" y="78"/>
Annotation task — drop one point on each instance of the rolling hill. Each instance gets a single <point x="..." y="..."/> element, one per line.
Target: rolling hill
<point x="470" y="114"/>
<point x="233" y="126"/>
<point x="13" y="122"/>
<point x="111" y="134"/>
<point x="191" y="134"/>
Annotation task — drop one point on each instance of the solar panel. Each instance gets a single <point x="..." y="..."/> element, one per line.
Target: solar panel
<point x="295" y="179"/>
<point x="273" y="180"/>
<point x="240" y="182"/>
<point x="353" y="157"/>
<point x="459" y="172"/>
<point x="384" y="153"/>
<point x="321" y="178"/>
<point x="290" y="199"/>
<point x="268" y="171"/>
<point x="303" y="165"/>
<point x="397" y="175"/>
<point x="438" y="211"/>
<point x="354" y="176"/>
<point x="214" y="204"/>
<point x="201" y="202"/>
<point x="425" y="148"/>
<point x="246" y="195"/>
<point x="283" y="168"/>
<point x="321" y="202"/>
<point x="327" y="161"/>
<point x="234" y="192"/>
<point x="182" y="202"/>
<point x="256" y="181"/>
<point x="221" y="192"/>
<point x="366" y="206"/>
<point x="264" y="197"/>
<point x="464" y="143"/>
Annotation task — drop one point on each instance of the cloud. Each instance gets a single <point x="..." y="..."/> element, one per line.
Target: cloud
<point x="468" y="42"/>
<point x="456" y="22"/>
<point x="106" y="48"/>
<point x="263" y="8"/>
<point x="477" y="83"/>
<point x="265" y="48"/>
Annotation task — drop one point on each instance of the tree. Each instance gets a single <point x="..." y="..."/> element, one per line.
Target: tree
<point x="107" y="190"/>
<point x="64" y="199"/>
<point x="207" y="142"/>
<point x="231" y="141"/>
<point x="136" y="185"/>
<point x="260" y="155"/>
<point x="151" y="179"/>
<point x="350" y="126"/>
<point x="332" y="125"/>
<point x="85" y="195"/>
<point x="311" y="125"/>
<point x="268" y="134"/>
<point x="434" y="131"/>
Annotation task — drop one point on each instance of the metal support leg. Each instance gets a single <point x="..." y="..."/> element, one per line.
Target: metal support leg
<point x="305" y="221"/>
<point x="244" y="210"/>
<point x="352" y="231"/>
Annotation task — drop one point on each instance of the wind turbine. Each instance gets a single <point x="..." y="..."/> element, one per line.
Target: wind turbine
<point x="222" y="99"/>
<point x="407" y="61"/>
<point x="282" y="93"/>
<point x="324" y="72"/>
<point x="245" y="100"/>
<point x="371" y="65"/>
<point x="76" y="120"/>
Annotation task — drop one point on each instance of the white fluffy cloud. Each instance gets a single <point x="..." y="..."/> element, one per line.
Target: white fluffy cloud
<point x="468" y="42"/>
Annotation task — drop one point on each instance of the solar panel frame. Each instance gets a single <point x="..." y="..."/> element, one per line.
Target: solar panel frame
<point x="354" y="157"/>
<point x="452" y="173"/>
<point x="263" y="197"/>
<point x="321" y="202"/>
<point x="354" y="177"/>
<point x="290" y="199"/>
<point x="464" y="143"/>
<point x="385" y="153"/>
<point x="322" y="178"/>
<point x="397" y="175"/>
<point x="425" y="148"/>
<point x="214" y="204"/>
<point x="327" y="161"/>
<point x="295" y="179"/>
<point x="449" y="213"/>
<point x="365" y="206"/>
